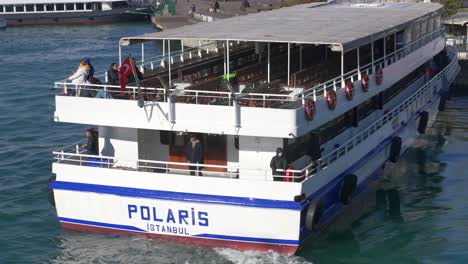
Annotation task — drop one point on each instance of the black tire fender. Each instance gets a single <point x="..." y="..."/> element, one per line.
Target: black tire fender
<point x="348" y="188"/>
<point x="313" y="215"/>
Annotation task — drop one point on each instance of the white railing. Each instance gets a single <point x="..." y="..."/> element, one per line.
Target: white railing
<point x="75" y="154"/>
<point x="413" y="101"/>
<point x="246" y="99"/>
<point x="368" y="69"/>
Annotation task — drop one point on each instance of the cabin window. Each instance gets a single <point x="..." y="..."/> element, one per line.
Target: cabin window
<point x="89" y="6"/>
<point x="69" y="7"/>
<point x="19" y="8"/>
<point x="164" y="137"/>
<point x="430" y="25"/>
<point x="29" y="8"/>
<point x="79" y="6"/>
<point x="50" y="7"/>
<point x="98" y="6"/>
<point x="120" y="4"/>
<point x="437" y="22"/>
<point x="236" y="142"/>
<point x="39" y="7"/>
<point x="1" y="8"/>
<point x="59" y="7"/>
<point x="179" y="140"/>
<point x="9" y="8"/>
<point x="423" y="28"/>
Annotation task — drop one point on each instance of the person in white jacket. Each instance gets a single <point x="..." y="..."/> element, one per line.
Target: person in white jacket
<point x="80" y="76"/>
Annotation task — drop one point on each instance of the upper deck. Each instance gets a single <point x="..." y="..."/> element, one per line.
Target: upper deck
<point x="279" y="64"/>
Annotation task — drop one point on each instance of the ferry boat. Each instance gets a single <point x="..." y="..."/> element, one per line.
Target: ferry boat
<point x="343" y="88"/>
<point x="59" y="12"/>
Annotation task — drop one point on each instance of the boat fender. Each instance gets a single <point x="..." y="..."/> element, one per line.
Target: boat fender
<point x="313" y="215"/>
<point x="395" y="149"/>
<point x="443" y="100"/>
<point x="309" y="109"/>
<point x="365" y="83"/>
<point x="50" y="192"/>
<point x="300" y="198"/>
<point x="423" y="119"/>
<point x="379" y="75"/>
<point x="348" y="188"/>
<point x="349" y="90"/>
<point x="331" y="99"/>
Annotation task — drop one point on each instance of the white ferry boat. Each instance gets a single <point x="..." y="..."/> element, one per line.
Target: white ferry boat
<point x="344" y="89"/>
<point x="59" y="12"/>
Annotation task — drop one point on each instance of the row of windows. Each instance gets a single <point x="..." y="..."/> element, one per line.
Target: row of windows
<point x="49" y="7"/>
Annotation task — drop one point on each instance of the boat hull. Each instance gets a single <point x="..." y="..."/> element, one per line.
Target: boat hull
<point x="72" y="18"/>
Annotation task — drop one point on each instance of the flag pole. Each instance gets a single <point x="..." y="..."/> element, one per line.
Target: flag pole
<point x="137" y="81"/>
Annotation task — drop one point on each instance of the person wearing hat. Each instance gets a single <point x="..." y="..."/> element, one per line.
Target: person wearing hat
<point x="278" y="162"/>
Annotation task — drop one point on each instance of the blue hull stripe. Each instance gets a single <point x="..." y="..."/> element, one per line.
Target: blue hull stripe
<point x="106" y="225"/>
<point x="208" y="236"/>
<point x="175" y="196"/>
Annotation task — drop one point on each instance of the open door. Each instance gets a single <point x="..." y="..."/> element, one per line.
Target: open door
<point x="214" y="150"/>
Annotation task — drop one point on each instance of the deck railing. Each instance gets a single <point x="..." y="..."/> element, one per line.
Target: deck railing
<point x="247" y="99"/>
<point x="417" y="102"/>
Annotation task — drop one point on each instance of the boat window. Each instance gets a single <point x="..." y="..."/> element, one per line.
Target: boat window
<point x="49" y="7"/>
<point x="1" y="8"/>
<point x="70" y="6"/>
<point x="236" y="142"/>
<point x="89" y="6"/>
<point x="164" y="137"/>
<point x="59" y="7"/>
<point x="98" y="6"/>
<point x="423" y="27"/>
<point x="39" y="7"/>
<point x="79" y="6"/>
<point x="216" y="141"/>
<point x="179" y="140"/>
<point x="120" y="4"/>
<point x="29" y="8"/>
<point x="19" y="8"/>
<point x="9" y="8"/>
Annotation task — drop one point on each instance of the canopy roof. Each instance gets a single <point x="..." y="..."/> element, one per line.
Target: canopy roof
<point x="347" y="24"/>
<point x="25" y="2"/>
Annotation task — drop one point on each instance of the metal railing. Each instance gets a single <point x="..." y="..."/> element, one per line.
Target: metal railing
<point x="368" y="69"/>
<point x="415" y="102"/>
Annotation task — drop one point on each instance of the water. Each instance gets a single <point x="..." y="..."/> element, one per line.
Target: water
<point x="428" y="226"/>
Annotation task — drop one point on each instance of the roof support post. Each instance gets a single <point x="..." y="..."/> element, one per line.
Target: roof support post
<point x="384" y="51"/>
<point x="300" y="57"/>
<point x="182" y="48"/>
<point x="120" y="54"/>
<point x="164" y="49"/>
<point x="394" y="46"/>
<point x="289" y="61"/>
<point x="372" y="55"/>
<point x="224" y="58"/>
<point x="227" y="59"/>
<point x="169" y="60"/>
<point x="142" y="55"/>
<point x="358" y="64"/>
<point x="342" y="69"/>
<point x="268" y="68"/>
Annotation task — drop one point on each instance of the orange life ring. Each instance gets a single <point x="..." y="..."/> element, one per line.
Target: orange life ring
<point x="365" y="82"/>
<point x="331" y="99"/>
<point x="349" y="90"/>
<point x="309" y="109"/>
<point x="379" y="75"/>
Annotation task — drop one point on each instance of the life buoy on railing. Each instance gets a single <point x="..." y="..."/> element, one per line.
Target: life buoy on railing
<point x="349" y="90"/>
<point x="365" y="82"/>
<point x="309" y="109"/>
<point x="288" y="174"/>
<point x="378" y="75"/>
<point x="331" y="99"/>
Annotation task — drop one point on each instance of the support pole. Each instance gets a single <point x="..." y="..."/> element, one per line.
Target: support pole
<point x="289" y="61"/>
<point x="169" y="60"/>
<point x="120" y="54"/>
<point x="394" y="44"/>
<point x="342" y="67"/>
<point x="358" y="64"/>
<point x="224" y="58"/>
<point x="385" y="51"/>
<point x="142" y="53"/>
<point x="268" y="70"/>
<point x="372" y="55"/>
<point x="227" y="59"/>
<point x="164" y="49"/>
<point x="300" y="57"/>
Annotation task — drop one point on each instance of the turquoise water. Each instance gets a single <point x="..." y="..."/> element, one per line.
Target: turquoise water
<point x="425" y="220"/>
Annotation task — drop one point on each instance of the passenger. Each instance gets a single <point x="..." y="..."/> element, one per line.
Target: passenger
<point x="80" y="75"/>
<point x="194" y="154"/>
<point x="192" y="9"/>
<point x="216" y="5"/>
<point x="92" y="147"/>
<point x="91" y="68"/>
<point x="278" y="162"/>
<point x="113" y="74"/>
